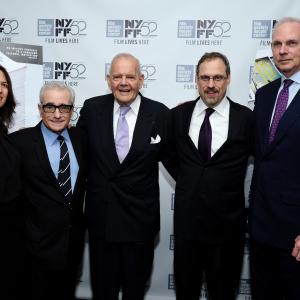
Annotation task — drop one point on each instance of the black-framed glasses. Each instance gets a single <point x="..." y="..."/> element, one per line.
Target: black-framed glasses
<point x="216" y="78"/>
<point x="51" y="108"/>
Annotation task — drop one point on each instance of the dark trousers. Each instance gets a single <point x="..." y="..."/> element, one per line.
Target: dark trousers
<point x="119" y="266"/>
<point x="275" y="274"/>
<point x="46" y="283"/>
<point x="220" y="264"/>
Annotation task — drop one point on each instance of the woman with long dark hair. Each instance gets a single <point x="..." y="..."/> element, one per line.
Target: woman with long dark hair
<point x="7" y="100"/>
<point x="10" y="187"/>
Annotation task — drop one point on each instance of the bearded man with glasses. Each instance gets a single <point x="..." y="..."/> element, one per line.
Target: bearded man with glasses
<point x="212" y="140"/>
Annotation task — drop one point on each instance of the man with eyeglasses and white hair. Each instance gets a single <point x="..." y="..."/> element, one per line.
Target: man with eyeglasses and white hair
<point x="53" y="176"/>
<point x="212" y="140"/>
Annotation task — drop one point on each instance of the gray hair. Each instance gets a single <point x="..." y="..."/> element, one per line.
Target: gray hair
<point x="285" y="20"/>
<point x="57" y="85"/>
<point x="128" y="56"/>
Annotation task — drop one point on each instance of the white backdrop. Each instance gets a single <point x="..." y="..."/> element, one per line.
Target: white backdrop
<point x="79" y="39"/>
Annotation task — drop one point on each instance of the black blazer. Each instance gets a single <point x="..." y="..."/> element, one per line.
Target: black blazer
<point x="10" y="184"/>
<point x="12" y="244"/>
<point x="209" y="196"/>
<point x="123" y="199"/>
<point x="10" y="191"/>
<point x="275" y="191"/>
<point x="53" y="229"/>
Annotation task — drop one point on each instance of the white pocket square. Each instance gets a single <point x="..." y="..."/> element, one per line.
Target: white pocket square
<point x="155" y="140"/>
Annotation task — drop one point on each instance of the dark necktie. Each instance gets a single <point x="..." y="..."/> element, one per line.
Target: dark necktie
<point x="64" y="174"/>
<point x="280" y="108"/>
<point x="122" y="134"/>
<point x="205" y="136"/>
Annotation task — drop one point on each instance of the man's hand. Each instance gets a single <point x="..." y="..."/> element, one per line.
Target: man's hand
<point x="296" y="250"/>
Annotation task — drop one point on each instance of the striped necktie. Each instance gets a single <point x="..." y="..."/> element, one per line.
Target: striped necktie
<point x="64" y="174"/>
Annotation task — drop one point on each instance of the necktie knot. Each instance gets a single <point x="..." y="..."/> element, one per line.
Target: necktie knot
<point x="287" y="83"/>
<point x="208" y="112"/>
<point x="60" y="138"/>
<point x="124" y="110"/>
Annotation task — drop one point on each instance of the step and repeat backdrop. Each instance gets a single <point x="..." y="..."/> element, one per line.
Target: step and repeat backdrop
<point x="74" y="41"/>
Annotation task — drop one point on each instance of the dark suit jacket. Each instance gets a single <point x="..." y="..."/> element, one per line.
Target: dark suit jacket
<point x="209" y="196"/>
<point x="275" y="192"/>
<point x="10" y="183"/>
<point x="54" y="231"/>
<point x="12" y="246"/>
<point x="123" y="199"/>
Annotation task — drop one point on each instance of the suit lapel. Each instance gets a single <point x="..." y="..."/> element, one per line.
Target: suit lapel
<point x="187" y="115"/>
<point x="266" y="113"/>
<point x="234" y="120"/>
<point x="105" y="138"/>
<point x="233" y="127"/>
<point x="78" y="154"/>
<point x="186" y="119"/>
<point x="42" y="156"/>
<point x="144" y="125"/>
<point x="290" y="116"/>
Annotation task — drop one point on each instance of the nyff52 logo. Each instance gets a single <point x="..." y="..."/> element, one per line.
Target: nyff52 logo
<point x="131" y="28"/>
<point x="64" y="70"/>
<point x="203" y="29"/>
<point x="262" y="29"/>
<point x="186" y="73"/>
<point x="61" y="27"/>
<point x="8" y="26"/>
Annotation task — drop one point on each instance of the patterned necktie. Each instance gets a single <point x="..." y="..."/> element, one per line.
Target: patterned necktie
<point x="64" y="174"/>
<point x="122" y="134"/>
<point x="205" y="136"/>
<point x="280" y="108"/>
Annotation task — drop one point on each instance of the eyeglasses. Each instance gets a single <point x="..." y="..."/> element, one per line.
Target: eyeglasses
<point x="51" y="108"/>
<point x="4" y="84"/>
<point x="216" y="78"/>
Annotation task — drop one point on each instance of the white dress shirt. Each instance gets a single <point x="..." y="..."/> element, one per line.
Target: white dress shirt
<point x="130" y="117"/>
<point x="219" y="122"/>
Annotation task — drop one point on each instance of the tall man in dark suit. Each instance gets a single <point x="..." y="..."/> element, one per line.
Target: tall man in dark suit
<point x="127" y="133"/>
<point x="275" y="192"/>
<point x="53" y="174"/>
<point x="212" y="137"/>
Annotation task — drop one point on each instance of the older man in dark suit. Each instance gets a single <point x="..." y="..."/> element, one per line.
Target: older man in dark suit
<point x="212" y="136"/>
<point x="53" y="175"/>
<point x="127" y="133"/>
<point x="275" y="192"/>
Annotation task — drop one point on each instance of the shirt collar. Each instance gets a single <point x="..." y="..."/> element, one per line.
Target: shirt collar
<point x="135" y="105"/>
<point x="221" y="108"/>
<point x="295" y="77"/>
<point x="50" y="136"/>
